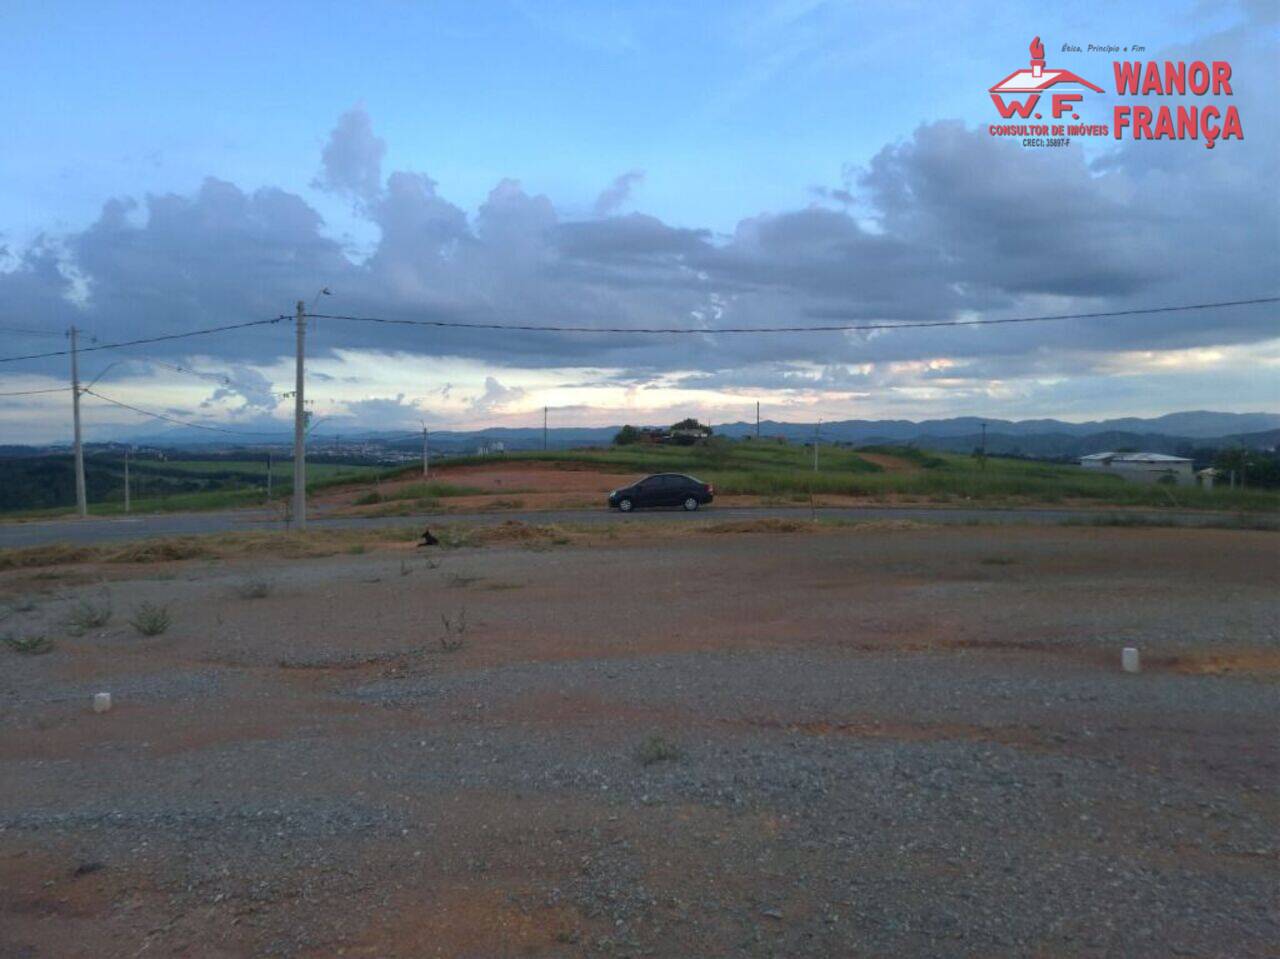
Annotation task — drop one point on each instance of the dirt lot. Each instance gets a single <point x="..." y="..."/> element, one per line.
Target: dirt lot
<point x="860" y="742"/>
<point x="515" y="485"/>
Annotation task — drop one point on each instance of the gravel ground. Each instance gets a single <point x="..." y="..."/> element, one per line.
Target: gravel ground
<point x="870" y="743"/>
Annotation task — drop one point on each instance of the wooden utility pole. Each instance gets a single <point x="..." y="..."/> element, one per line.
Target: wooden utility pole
<point x="82" y="501"/>
<point x="299" y="425"/>
<point x="816" y="427"/>
<point x="126" y="479"/>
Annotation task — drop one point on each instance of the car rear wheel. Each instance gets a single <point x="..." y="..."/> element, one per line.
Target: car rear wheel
<point x="691" y="503"/>
<point x="625" y="505"/>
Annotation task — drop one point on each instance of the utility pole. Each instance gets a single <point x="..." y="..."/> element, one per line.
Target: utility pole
<point x="126" y="479"/>
<point x="426" y="456"/>
<point x="984" y="446"/>
<point x="544" y="429"/>
<point x="816" y="427"/>
<point x="82" y="501"/>
<point x="299" y="426"/>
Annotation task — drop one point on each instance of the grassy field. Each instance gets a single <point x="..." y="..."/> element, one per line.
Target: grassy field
<point x="195" y="485"/>
<point x="781" y="474"/>
<point x="785" y="472"/>
<point x="281" y="470"/>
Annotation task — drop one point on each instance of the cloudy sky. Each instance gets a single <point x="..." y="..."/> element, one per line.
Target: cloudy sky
<point x="169" y="167"/>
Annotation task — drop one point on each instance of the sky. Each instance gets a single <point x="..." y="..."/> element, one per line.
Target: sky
<point x="169" y="167"/>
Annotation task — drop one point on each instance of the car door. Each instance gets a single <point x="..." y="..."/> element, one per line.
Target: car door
<point x="649" y="491"/>
<point x="672" y="490"/>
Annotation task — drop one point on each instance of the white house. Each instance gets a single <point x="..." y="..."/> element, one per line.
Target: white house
<point x="1143" y="467"/>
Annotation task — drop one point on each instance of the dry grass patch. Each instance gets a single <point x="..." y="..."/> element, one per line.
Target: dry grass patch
<point x="516" y="533"/>
<point x="291" y="545"/>
<point x="57" y="554"/>
<point x="1251" y="662"/>
<point x="775" y="525"/>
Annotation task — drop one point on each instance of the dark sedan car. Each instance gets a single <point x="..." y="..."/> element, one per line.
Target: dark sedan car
<point x="663" y="489"/>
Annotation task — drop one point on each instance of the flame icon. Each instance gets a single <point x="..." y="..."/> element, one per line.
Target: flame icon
<point x="1037" y="49"/>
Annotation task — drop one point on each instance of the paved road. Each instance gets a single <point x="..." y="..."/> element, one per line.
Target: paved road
<point x="118" y="529"/>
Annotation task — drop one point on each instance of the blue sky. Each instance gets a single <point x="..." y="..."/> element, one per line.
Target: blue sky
<point x="144" y="142"/>
<point x="730" y="109"/>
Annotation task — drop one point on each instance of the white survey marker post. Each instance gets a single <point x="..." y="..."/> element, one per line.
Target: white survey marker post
<point x="1129" y="660"/>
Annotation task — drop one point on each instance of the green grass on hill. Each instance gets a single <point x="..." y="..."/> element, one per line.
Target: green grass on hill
<point x="227" y="484"/>
<point x="786" y="472"/>
<point x="256" y="470"/>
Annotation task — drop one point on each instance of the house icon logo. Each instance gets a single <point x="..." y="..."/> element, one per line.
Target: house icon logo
<point x="1031" y="83"/>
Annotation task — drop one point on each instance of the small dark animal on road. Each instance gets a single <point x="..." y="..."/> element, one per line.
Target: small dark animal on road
<point x="428" y="539"/>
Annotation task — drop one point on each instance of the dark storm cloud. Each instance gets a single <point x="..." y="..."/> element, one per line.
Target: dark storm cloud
<point x="1006" y="221"/>
<point x="351" y="163"/>
<point x="617" y="192"/>
<point x="631" y="237"/>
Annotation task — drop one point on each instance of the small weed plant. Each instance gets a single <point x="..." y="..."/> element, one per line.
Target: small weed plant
<point x="29" y="645"/>
<point x="455" y="631"/>
<point x="657" y="749"/>
<point x="151" y="619"/>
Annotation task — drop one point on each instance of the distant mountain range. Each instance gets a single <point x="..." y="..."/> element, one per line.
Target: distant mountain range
<point x="1046" y="438"/>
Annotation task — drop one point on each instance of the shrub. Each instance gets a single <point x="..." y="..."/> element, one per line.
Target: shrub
<point x="86" y="614"/>
<point x="657" y="749"/>
<point x="21" y="604"/>
<point x="455" y="631"/>
<point x="29" y="645"/>
<point x="150" y="619"/>
<point x="368" y="499"/>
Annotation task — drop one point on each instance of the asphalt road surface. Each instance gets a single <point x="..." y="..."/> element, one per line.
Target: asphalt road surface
<point x="124" y="528"/>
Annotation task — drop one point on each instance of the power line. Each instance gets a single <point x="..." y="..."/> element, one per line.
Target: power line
<point x="219" y="377"/>
<point x="24" y="332"/>
<point x="55" y="389"/>
<point x="794" y="329"/>
<point x="149" y="339"/>
<point x="172" y="419"/>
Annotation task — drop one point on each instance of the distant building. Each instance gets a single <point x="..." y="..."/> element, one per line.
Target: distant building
<point x="1207" y="477"/>
<point x="1143" y="467"/>
<point x="689" y="435"/>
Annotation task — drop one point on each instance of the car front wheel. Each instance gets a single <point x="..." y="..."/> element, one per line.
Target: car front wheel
<point x="691" y="504"/>
<point x="625" y="505"/>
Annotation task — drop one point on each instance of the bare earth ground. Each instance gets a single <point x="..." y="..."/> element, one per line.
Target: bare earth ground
<point x="515" y="485"/>
<point x="531" y="485"/>
<point x="888" y="742"/>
